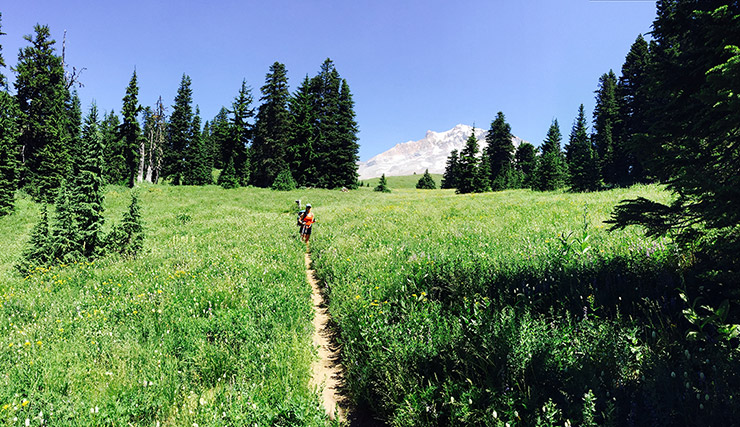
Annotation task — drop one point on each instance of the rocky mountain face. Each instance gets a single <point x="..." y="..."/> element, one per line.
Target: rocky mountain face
<point x="431" y="153"/>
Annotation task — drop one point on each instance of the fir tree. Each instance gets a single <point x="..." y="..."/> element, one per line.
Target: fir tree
<point x="605" y="120"/>
<point x="87" y="195"/>
<point x="499" y="153"/>
<point x="550" y="169"/>
<point x="8" y="143"/>
<point x="426" y="182"/>
<point x="74" y="128"/>
<point x="583" y="167"/>
<point x="449" y="178"/>
<point x="284" y="181"/>
<point x="115" y="163"/>
<point x="197" y="155"/>
<point x="38" y="252"/>
<point x="525" y="161"/>
<point x="467" y="178"/>
<point x="65" y="232"/>
<point x="180" y="133"/>
<point x="127" y="238"/>
<point x="482" y="180"/>
<point x="228" y="178"/>
<point x="271" y="129"/>
<point x="220" y="136"/>
<point x="41" y="93"/>
<point x="241" y="137"/>
<point x="300" y="153"/>
<point x="130" y="132"/>
<point x="382" y="185"/>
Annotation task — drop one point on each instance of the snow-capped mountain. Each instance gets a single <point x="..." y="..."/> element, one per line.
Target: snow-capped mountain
<point x="431" y="153"/>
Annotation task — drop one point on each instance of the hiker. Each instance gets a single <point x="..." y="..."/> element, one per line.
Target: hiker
<point x="306" y="221"/>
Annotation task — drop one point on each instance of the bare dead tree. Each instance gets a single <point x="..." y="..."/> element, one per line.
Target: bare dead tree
<point x="156" y="142"/>
<point x="71" y="78"/>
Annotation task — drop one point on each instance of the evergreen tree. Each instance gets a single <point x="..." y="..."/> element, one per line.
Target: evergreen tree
<point x="345" y="151"/>
<point x="197" y="156"/>
<point x="127" y="238"/>
<point x="526" y="159"/>
<point x="241" y="137"/>
<point x="115" y="163"/>
<point x="382" y="185"/>
<point x="583" y="166"/>
<point x="87" y="195"/>
<point x="74" y="128"/>
<point x="8" y="143"/>
<point x="41" y="93"/>
<point x="220" y="136"/>
<point x="130" y="132"/>
<point x="228" y="178"/>
<point x="632" y="91"/>
<point x="284" y="181"/>
<point x="65" y="232"/>
<point x="499" y="153"/>
<point x="468" y="178"/>
<point x="180" y="133"/>
<point x="449" y="178"/>
<point x="271" y="129"/>
<point x="605" y="120"/>
<point x="550" y="169"/>
<point x="426" y="182"/>
<point x="482" y="180"/>
<point x="300" y="153"/>
<point x="38" y="252"/>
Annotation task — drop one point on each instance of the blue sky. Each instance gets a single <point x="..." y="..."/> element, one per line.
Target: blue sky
<point x="412" y="66"/>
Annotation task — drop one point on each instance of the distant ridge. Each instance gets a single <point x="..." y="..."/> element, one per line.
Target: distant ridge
<point x="431" y="153"/>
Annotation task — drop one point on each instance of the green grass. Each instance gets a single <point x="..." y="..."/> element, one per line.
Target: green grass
<point x="402" y="182"/>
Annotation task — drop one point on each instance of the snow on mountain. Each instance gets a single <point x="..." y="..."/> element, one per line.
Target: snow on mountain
<point x="431" y="153"/>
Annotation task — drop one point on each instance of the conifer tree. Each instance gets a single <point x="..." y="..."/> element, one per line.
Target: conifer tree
<point x="345" y="152"/>
<point x="228" y="178"/>
<point x="180" y="133"/>
<point x="87" y="194"/>
<point x="284" y="181"/>
<point x="426" y="182"/>
<point x="300" y="154"/>
<point x="482" y="177"/>
<point x="583" y="166"/>
<point x="115" y="163"/>
<point x="271" y="129"/>
<point x="449" y="178"/>
<point x="41" y="93"/>
<point x="525" y="161"/>
<point x="605" y="120"/>
<point x="74" y="128"/>
<point x="197" y="155"/>
<point x="468" y="166"/>
<point x="237" y="147"/>
<point x="127" y="237"/>
<point x="500" y="153"/>
<point x="38" y="252"/>
<point x="65" y="232"/>
<point x="382" y="185"/>
<point x="8" y="143"/>
<point x="220" y="135"/>
<point x="130" y="132"/>
<point x="550" y="169"/>
<point x="633" y="154"/>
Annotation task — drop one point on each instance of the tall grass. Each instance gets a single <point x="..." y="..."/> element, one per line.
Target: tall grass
<point x="210" y="325"/>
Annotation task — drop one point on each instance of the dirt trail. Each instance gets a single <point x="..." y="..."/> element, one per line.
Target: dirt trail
<point x="327" y="372"/>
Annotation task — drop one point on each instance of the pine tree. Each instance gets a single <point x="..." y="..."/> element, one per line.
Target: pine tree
<point x="345" y="152"/>
<point x="382" y="185"/>
<point x="300" y="153"/>
<point x="41" y="93"/>
<point x="74" y="128"/>
<point x="197" y="155"/>
<point x="130" y="132"/>
<point x="220" y="136"/>
<point x="605" y="120"/>
<point x="65" y="232"/>
<point x="38" y="252"/>
<point x="127" y="237"/>
<point x="241" y="137"/>
<point x="499" y="153"/>
<point x="87" y="190"/>
<point x="284" y="181"/>
<point x="550" y="169"/>
<point x="525" y="161"/>
<point x="482" y="177"/>
<point x="180" y="133"/>
<point x="115" y="163"/>
<point x="467" y="178"/>
<point x="633" y="154"/>
<point x="228" y="178"/>
<point x="271" y="129"/>
<point x="426" y="182"/>
<point x="449" y="178"/>
<point x="8" y="143"/>
<point x="583" y="166"/>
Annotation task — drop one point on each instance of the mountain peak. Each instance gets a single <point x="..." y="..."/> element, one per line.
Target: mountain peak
<point x="431" y="153"/>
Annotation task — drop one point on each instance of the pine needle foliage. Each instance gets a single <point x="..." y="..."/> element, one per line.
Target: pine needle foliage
<point x="426" y="182"/>
<point x="382" y="185"/>
<point x="127" y="237"/>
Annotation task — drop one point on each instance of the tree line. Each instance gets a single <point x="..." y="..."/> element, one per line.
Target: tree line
<point x="612" y="155"/>
<point x="309" y="138"/>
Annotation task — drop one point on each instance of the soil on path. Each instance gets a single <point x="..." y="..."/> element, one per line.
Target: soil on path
<point x="327" y="372"/>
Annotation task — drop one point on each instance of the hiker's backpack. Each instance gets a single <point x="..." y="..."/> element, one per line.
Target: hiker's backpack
<point x="300" y="217"/>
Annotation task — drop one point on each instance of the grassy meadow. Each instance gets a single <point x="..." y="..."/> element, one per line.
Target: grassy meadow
<point x="402" y="182"/>
<point x="512" y="307"/>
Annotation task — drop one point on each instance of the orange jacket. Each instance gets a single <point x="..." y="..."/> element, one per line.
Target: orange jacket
<point x="308" y="219"/>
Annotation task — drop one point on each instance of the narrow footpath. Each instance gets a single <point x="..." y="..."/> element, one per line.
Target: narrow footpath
<point x="327" y="372"/>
